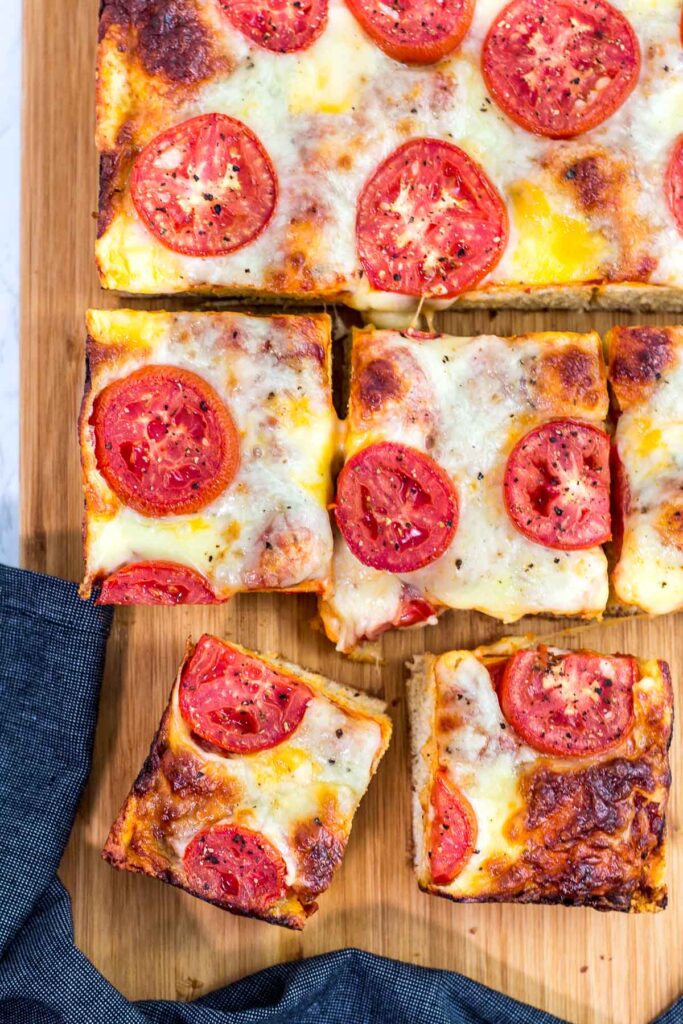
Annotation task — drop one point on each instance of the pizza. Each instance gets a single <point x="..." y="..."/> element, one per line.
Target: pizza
<point x="646" y="374"/>
<point x="476" y="476"/>
<point x="541" y="776"/>
<point x="485" y="151"/>
<point x="206" y="445"/>
<point x="248" y="794"/>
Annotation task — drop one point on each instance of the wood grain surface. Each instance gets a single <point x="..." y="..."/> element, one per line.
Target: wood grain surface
<point x="154" y="941"/>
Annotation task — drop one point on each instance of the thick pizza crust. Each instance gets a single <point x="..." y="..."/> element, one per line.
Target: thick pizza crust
<point x="183" y="787"/>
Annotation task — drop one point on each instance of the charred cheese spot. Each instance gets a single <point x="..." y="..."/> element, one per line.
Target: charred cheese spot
<point x="319" y="851"/>
<point x="170" y="38"/>
<point x="639" y="358"/>
<point x="571" y="376"/>
<point x="378" y="382"/>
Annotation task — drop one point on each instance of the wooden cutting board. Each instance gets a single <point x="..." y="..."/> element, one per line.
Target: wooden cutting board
<point x="151" y="940"/>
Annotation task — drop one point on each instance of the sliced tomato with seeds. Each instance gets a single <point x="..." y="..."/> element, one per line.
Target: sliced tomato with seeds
<point x="237" y="702"/>
<point x="453" y="833"/>
<point x="570" y="705"/>
<point x="415" y="31"/>
<point x="429" y="222"/>
<point x="560" y="67"/>
<point x="414" y="608"/>
<point x="396" y="508"/>
<point x="674" y="183"/>
<point x="557" y="486"/>
<point x="282" y="26"/>
<point x="236" y="867"/>
<point x="205" y="187"/>
<point x="164" y="441"/>
<point x="156" y="583"/>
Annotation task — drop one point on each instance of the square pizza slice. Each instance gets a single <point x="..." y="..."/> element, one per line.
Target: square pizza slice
<point x="206" y="443"/>
<point x="523" y="153"/>
<point x="541" y="776"/>
<point x="646" y="375"/>
<point x="248" y="793"/>
<point x="476" y="477"/>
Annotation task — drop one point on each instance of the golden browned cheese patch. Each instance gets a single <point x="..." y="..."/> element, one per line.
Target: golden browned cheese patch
<point x="573" y="376"/>
<point x="638" y="356"/>
<point x="670" y="524"/>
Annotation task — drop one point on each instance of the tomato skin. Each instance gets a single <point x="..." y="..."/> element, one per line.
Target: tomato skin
<point x="235" y="867"/>
<point x="496" y="670"/>
<point x="560" y="92"/>
<point x="156" y="583"/>
<point x="396" y="508"/>
<point x="280" y="28"/>
<point x="415" y="31"/>
<point x="413" y="241"/>
<point x="217" y="196"/>
<point x="574" y="704"/>
<point x="621" y="499"/>
<point x="674" y="182"/>
<point x="164" y="441"/>
<point x="412" y="611"/>
<point x="237" y="702"/>
<point x="453" y="833"/>
<point x="556" y="485"/>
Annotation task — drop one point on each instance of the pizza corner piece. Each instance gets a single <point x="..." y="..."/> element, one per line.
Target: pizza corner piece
<point x="505" y="154"/>
<point x="476" y="478"/>
<point x="248" y="794"/>
<point x="646" y="377"/>
<point x="206" y="445"/>
<point x="541" y="776"/>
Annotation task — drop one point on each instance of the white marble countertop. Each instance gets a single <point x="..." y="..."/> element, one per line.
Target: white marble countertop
<point x="10" y="151"/>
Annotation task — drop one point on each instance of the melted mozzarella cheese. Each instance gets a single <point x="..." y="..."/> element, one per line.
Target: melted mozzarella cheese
<point x="283" y="483"/>
<point x="330" y="114"/>
<point x="649" y="440"/>
<point x="479" y="407"/>
<point x="323" y="768"/>
<point x="483" y="758"/>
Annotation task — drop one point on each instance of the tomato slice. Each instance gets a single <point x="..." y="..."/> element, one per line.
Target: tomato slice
<point x="164" y="441"/>
<point x="496" y="669"/>
<point x="560" y="67"/>
<point x="396" y="508"/>
<point x="415" y="31"/>
<point x="282" y="26"/>
<point x="237" y="702"/>
<point x="571" y="705"/>
<point x="674" y="183"/>
<point x="620" y="500"/>
<point x="453" y="832"/>
<point x="236" y="867"/>
<point x="429" y="222"/>
<point x="156" y="583"/>
<point x="414" y="609"/>
<point x="205" y="187"/>
<point x="557" y="485"/>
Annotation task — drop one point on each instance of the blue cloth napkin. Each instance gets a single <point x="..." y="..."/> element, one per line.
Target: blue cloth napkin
<point x="52" y="648"/>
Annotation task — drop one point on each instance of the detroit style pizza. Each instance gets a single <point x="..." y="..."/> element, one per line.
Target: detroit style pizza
<point x="646" y="376"/>
<point x="492" y="152"/>
<point x="248" y="793"/>
<point x="206" y="445"/>
<point x="541" y="776"/>
<point x="476" y="477"/>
